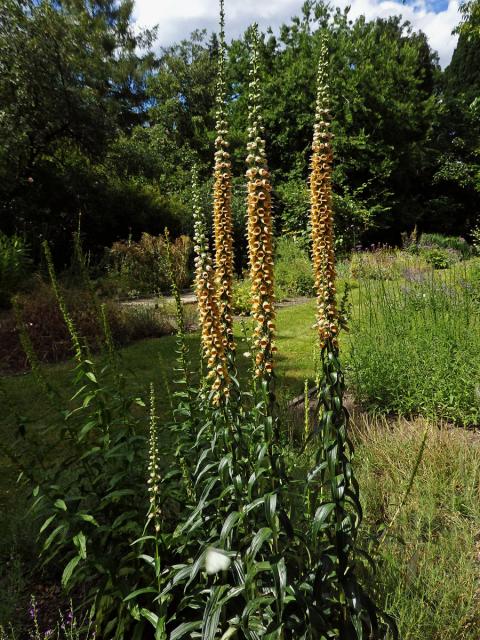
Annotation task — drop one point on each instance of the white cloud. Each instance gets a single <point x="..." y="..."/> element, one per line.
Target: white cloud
<point x="177" y="18"/>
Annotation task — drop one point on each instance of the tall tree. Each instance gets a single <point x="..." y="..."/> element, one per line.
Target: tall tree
<point x="71" y="78"/>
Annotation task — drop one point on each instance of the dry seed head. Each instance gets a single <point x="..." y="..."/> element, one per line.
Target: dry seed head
<point x="321" y="210"/>
<point x="222" y="201"/>
<point x="213" y="348"/>
<point x="260" y="231"/>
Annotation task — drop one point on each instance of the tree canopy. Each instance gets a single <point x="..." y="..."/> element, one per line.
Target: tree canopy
<point x="96" y="121"/>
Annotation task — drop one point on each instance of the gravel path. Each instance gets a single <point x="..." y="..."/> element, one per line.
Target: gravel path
<point x="188" y="297"/>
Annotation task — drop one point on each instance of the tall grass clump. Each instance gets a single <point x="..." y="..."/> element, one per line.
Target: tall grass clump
<point x="293" y="268"/>
<point x="429" y="556"/>
<point x="415" y="348"/>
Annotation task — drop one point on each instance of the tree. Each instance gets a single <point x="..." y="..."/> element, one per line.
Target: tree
<point x="456" y="177"/>
<point x="70" y="80"/>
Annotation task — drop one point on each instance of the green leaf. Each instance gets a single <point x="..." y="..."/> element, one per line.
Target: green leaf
<point x="60" y="504"/>
<point x="184" y="628"/>
<point x="150" y="616"/>
<point x="321" y="515"/>
<point x="86" y="517"/>
<point x="91" y="376"/>
<point x="259" y="538"/>
<point x="211" y="615"/>
<point x="228" y="525"/>
<point x="80" y="542"/>
<point x="270" y="508"/>
<point x="86" y="429"/>
<point x="139" y="592"/>
<point x="53" y="535"/>
<point x="69" y="569"/>
<point x="47" y="522"/>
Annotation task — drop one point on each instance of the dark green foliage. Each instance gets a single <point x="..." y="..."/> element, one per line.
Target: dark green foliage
<point x="435" y="240"/>
<point x="440" y="258"/>
<point x="74" y="137"/>
<point x="14" y="266"/>
<point x="293" y="269"/>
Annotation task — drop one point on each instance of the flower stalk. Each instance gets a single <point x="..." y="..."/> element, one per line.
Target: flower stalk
<point x="321" y="215"/>
<point x="212" y="337"/>
<point x="260" y="230"/>
<point x="222" y="204"/>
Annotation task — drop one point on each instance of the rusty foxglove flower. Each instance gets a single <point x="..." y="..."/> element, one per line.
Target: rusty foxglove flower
<point x="260" y="231"/>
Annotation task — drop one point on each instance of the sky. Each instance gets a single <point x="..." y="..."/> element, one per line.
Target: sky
<point x="176" y="19"/>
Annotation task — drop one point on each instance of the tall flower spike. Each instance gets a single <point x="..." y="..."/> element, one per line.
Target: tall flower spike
<point x="321" y="210"/>
<point x="260" y="232"/>
<point x="213" y="347"/>
<point x="154" y="512"/>
<point x="222" y="203"/>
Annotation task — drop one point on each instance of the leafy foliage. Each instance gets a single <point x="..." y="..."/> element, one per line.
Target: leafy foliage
<point x="141" y="266"/>
<point x="14" y="266"/>
<point x="427" y="324"/>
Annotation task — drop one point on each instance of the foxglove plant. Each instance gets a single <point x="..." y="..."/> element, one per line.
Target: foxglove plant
<point x="332" y="489"/>
<point x="222" y="205"/>
<point x="260" y="232"/>
<point x="214" y="334"/>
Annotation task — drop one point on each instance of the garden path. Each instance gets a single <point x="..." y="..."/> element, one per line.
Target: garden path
<point x="188" y="297"/>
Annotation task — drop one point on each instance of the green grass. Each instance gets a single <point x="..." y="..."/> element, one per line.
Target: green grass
<point x="415" y="347"/>
<point x="428" y="564"/>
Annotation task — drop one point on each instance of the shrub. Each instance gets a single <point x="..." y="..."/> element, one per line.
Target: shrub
<point x="385" y="263"/>
<point x="14" y="266"/>
<point x="242" y="294"/>
<point x="293" y="270"/>
<point x="138" y="321"/>
<point x="140" y="267"/>
<point x="436" y="240"/>
<point x="49" y="335"/>
<point x="415" y="349"/>
<point x="440" y="258"/>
